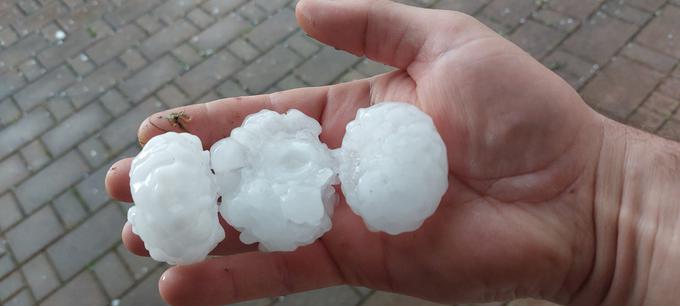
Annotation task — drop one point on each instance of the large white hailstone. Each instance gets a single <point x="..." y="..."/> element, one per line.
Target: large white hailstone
<point x="175" y="196"/>
<point x="275" y="178"/>
<point x="393" y="167"/>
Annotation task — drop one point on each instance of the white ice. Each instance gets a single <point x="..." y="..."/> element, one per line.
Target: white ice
<point x="175" y="195"/>
<point x="275" y="178"/>
<point x="393" y="167"/>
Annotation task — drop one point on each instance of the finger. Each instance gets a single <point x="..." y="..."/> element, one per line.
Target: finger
<point x="385" y="31"/>
<point x="214" y="120"/>
<point x="230" y="245"/>
<point x="117" y="180"/>
<point x="249" y="276"/>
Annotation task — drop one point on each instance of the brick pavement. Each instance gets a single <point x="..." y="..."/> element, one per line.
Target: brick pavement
<point x="70" y="106"/>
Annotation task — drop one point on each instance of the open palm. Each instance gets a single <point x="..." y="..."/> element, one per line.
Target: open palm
<point x="522" y="146"/>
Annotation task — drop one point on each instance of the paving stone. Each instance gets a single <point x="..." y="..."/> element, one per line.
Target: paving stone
<point x="86" y="14"/>
<point x="7" y="37"/>
<point x="74" y="44"/>
<point x="252" y="12"/>
<point x="10" y="81"/>
<point x="187" y="55"/>
<point x="112" y="274"/>
<point x="210" y="96"/>
<point x="40" y="276"/>
<point x="145" y="293"/>
<point x="9" y="112"/>
<point x="574" y="70"/>
<point x="23" y="298"/>
<point x="92" y="189"/>
<point x="69" y="209"/>
<point x="16" y="53"/>
<point x="290" y="82"/>
<point x="274" y="29"/>
<point x="81" y="64"/>
<point x="221" y="7"/>
<point x="10" y="285"/>
<point x="600" y="38"/>
<point x="220" y="33"/>
<point x="351" y="75"/>
<point x="621" y="87"/>
<point x="172" y="97"/>
<point x="46" y="87"/>
<point x="50" y="32"/>
<point x="114" y="101"/>
<point x="577" y="9"/>
<point x="50" y="181"/>
<point x="140" y="266"/>
<point x="149" y="23"/>
<point x="536" y="39"/>
<point x="95" y="84"/>
<point x="325" y="66"/>
<point x="671" y="88"/>
<point x="243" y="50"/>
<point x="35" y="155"/>
<point x="86" y="242"/>
<point x="168" y="11"/>
<point x="129" y="11"/>
<point x="60" y="107"/>
<point x="31" y="69"/>
<point x="40" y="18"/>
<point x="147" y="80"/>
<point x="123" y="131"/>
<point x="12" y="170"/>
<point x="271" y="5"/>
<point x="80" y="291"/>
<point x="556" y="20"/>
<point x="10" y="213"/>
<point x="167" y="38"/>
<point x="268" y="69"/>
<point x="28" y="6"/>
<point x="510" y="12"/>
<point x="43" y="227"/>
<point x="75" y="128"/>
<point x="231" y="89"/>
<point x="24" y="130"/>
<point x="530" y="302"/>
<point x="94" y="151"/>
<point x="466" y="6"/>
<point x="381" y="298"/>
<point x="132" y="59"/>
<point x="198" y="17"/>
<point x="661" y="103"/>
<point x="208" y="74"/>
<point x="368" y="67"/>
<point x="302" y="44"/>
<point x="656" y="60"/>
<point x="115" y="44"/>
<point x="340" y="296"/>
<point x="621" y="10"/>
<point x="646" y="119"/>
<point x="663" y="33"/>
<point x="649" y="5"/>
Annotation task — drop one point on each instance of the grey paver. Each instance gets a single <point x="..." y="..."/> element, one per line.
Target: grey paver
<point x="333" y="296"/>
<point x="16" y="53"/>
<point x="172" y="97"/>
<point x="75" y="128"/>
<point x="10" y="285"/>
<point x="268" y="69"/>
<point x="218" y="34"/>
<point x="325" y="66"/>
<point x="40" y="276"/>
<point x="200" y="18"/>
<point x="146" y="293"/>
<point x="113" y="45"/>
<point x="96" y="83"/>
<point x="381" y="298"/>
<point x="51" y="181"/>
<point x="10" y="81"/>
<point x="114" y="101"/>
<point x="207" y="74"/>
<point x="90" y="239"/>
<point x="221" y="7"/>
<point x="92" y="189"/>
<point x="69" y="209"/>
<point x="150" y="78"/>
<point x="273" y="29"/>
<point x="112" y="274"/>
<point x="140" y="266"/>
<point x="35" y="155"/>
<point x="74" y="44"/>
<point x="80" y="291"/>
<point x="12" y="171"/>
<point x="123" y="132"/>
<point x="44" y="228"/>
<point x="60" y="107"/>
<point x="173" y="9"/>
<point x="230" y="89"/>
<point x="47" y="86"/>
<point x="9" y="112"/>
<point x="94" y="151"/>
<point x="129" y="11"/>
<point x="167" y="38"/>
<point x="22" y="298"/>
<point x="7" y="264"/>
<point x="132" y="59"/>
<point x="10" y="213"/>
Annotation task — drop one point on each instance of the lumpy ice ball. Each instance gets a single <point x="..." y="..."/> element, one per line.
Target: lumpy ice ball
<point x="275" y="178"/>
<point x="175" y="195"/>
<point x="393" y="167"/>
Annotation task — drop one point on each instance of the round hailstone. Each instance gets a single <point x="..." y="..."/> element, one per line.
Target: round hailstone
<point x="175" y="195"/>
<point x="275" y="178"/>
<point x="393" y="167"/>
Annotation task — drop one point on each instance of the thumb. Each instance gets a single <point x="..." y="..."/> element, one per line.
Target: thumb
<point x="388" y="32"/>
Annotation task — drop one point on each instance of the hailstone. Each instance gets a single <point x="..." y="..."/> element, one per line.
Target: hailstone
<point x="393" y="167"/>
<point x="275" y="178"/>
<point x="175" y="195"/>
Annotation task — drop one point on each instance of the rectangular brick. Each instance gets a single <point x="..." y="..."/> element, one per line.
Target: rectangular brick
<point x="23" y="131"/>
<point x="510" y="12"/>
<point x="92" y="189"/>
<point x="10" y="81"/>
<point x="382" y="298"/>
<point x="40" y="276"/>
<point x="35" y="155"/>
<point x="37" y="20"/>
<point x="47" y="86"/>
<point x="577" y="9"/>
<point x="12" y="171"/>
<point x="23" y="298"/>
<point x="80" y="291"/>
<point x="17" y="53"/>
<point x="140" y="266"/>
<point x="69" y="209"/>
<point x="221" y="7"/>
<point x="147" y="80"/>
<point x="10" y="285"/>
<point x="342" y="295"/>
<point x="75" y="128"/>
<point x="325" y="66"/>
<point x="34" y="233"/>
<point x="272" y="30"/>
<point x="86" y="242"/>
<point x="115" y="44"/>
<point x="96" y="83"/>
<point x="129" y="11"/>
<point x="269" y="68"/>
<point x="95" y="151"/>
<point x="7" y="264"/>
<point x="87" y="13"/>
<point x="536" y="39"/>
<point x="74" y="43"/>
<point x="663" y="33"/>
<point x="145" y="293"/>
<point x="112" y="274"/>
<point x="600" y="38"/>
<point x="51" y="181"/>
<point x="167" y="38"/>
<point x="173" y="9"/>
<point x="656" y="60"/>
<point x="208" y="74"/>
<point x="220" y="33"/>
<point x="10" y="213"/>
<point x="123" y="131"/>
<point x="468" y="7"/>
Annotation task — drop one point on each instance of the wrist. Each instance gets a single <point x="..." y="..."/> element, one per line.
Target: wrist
<point x="636" y="214"/>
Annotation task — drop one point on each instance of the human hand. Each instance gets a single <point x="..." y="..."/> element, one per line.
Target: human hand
<point x="523" y="149"/>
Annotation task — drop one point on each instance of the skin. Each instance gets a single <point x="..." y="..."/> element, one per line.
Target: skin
<point x="546" y="198"/>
